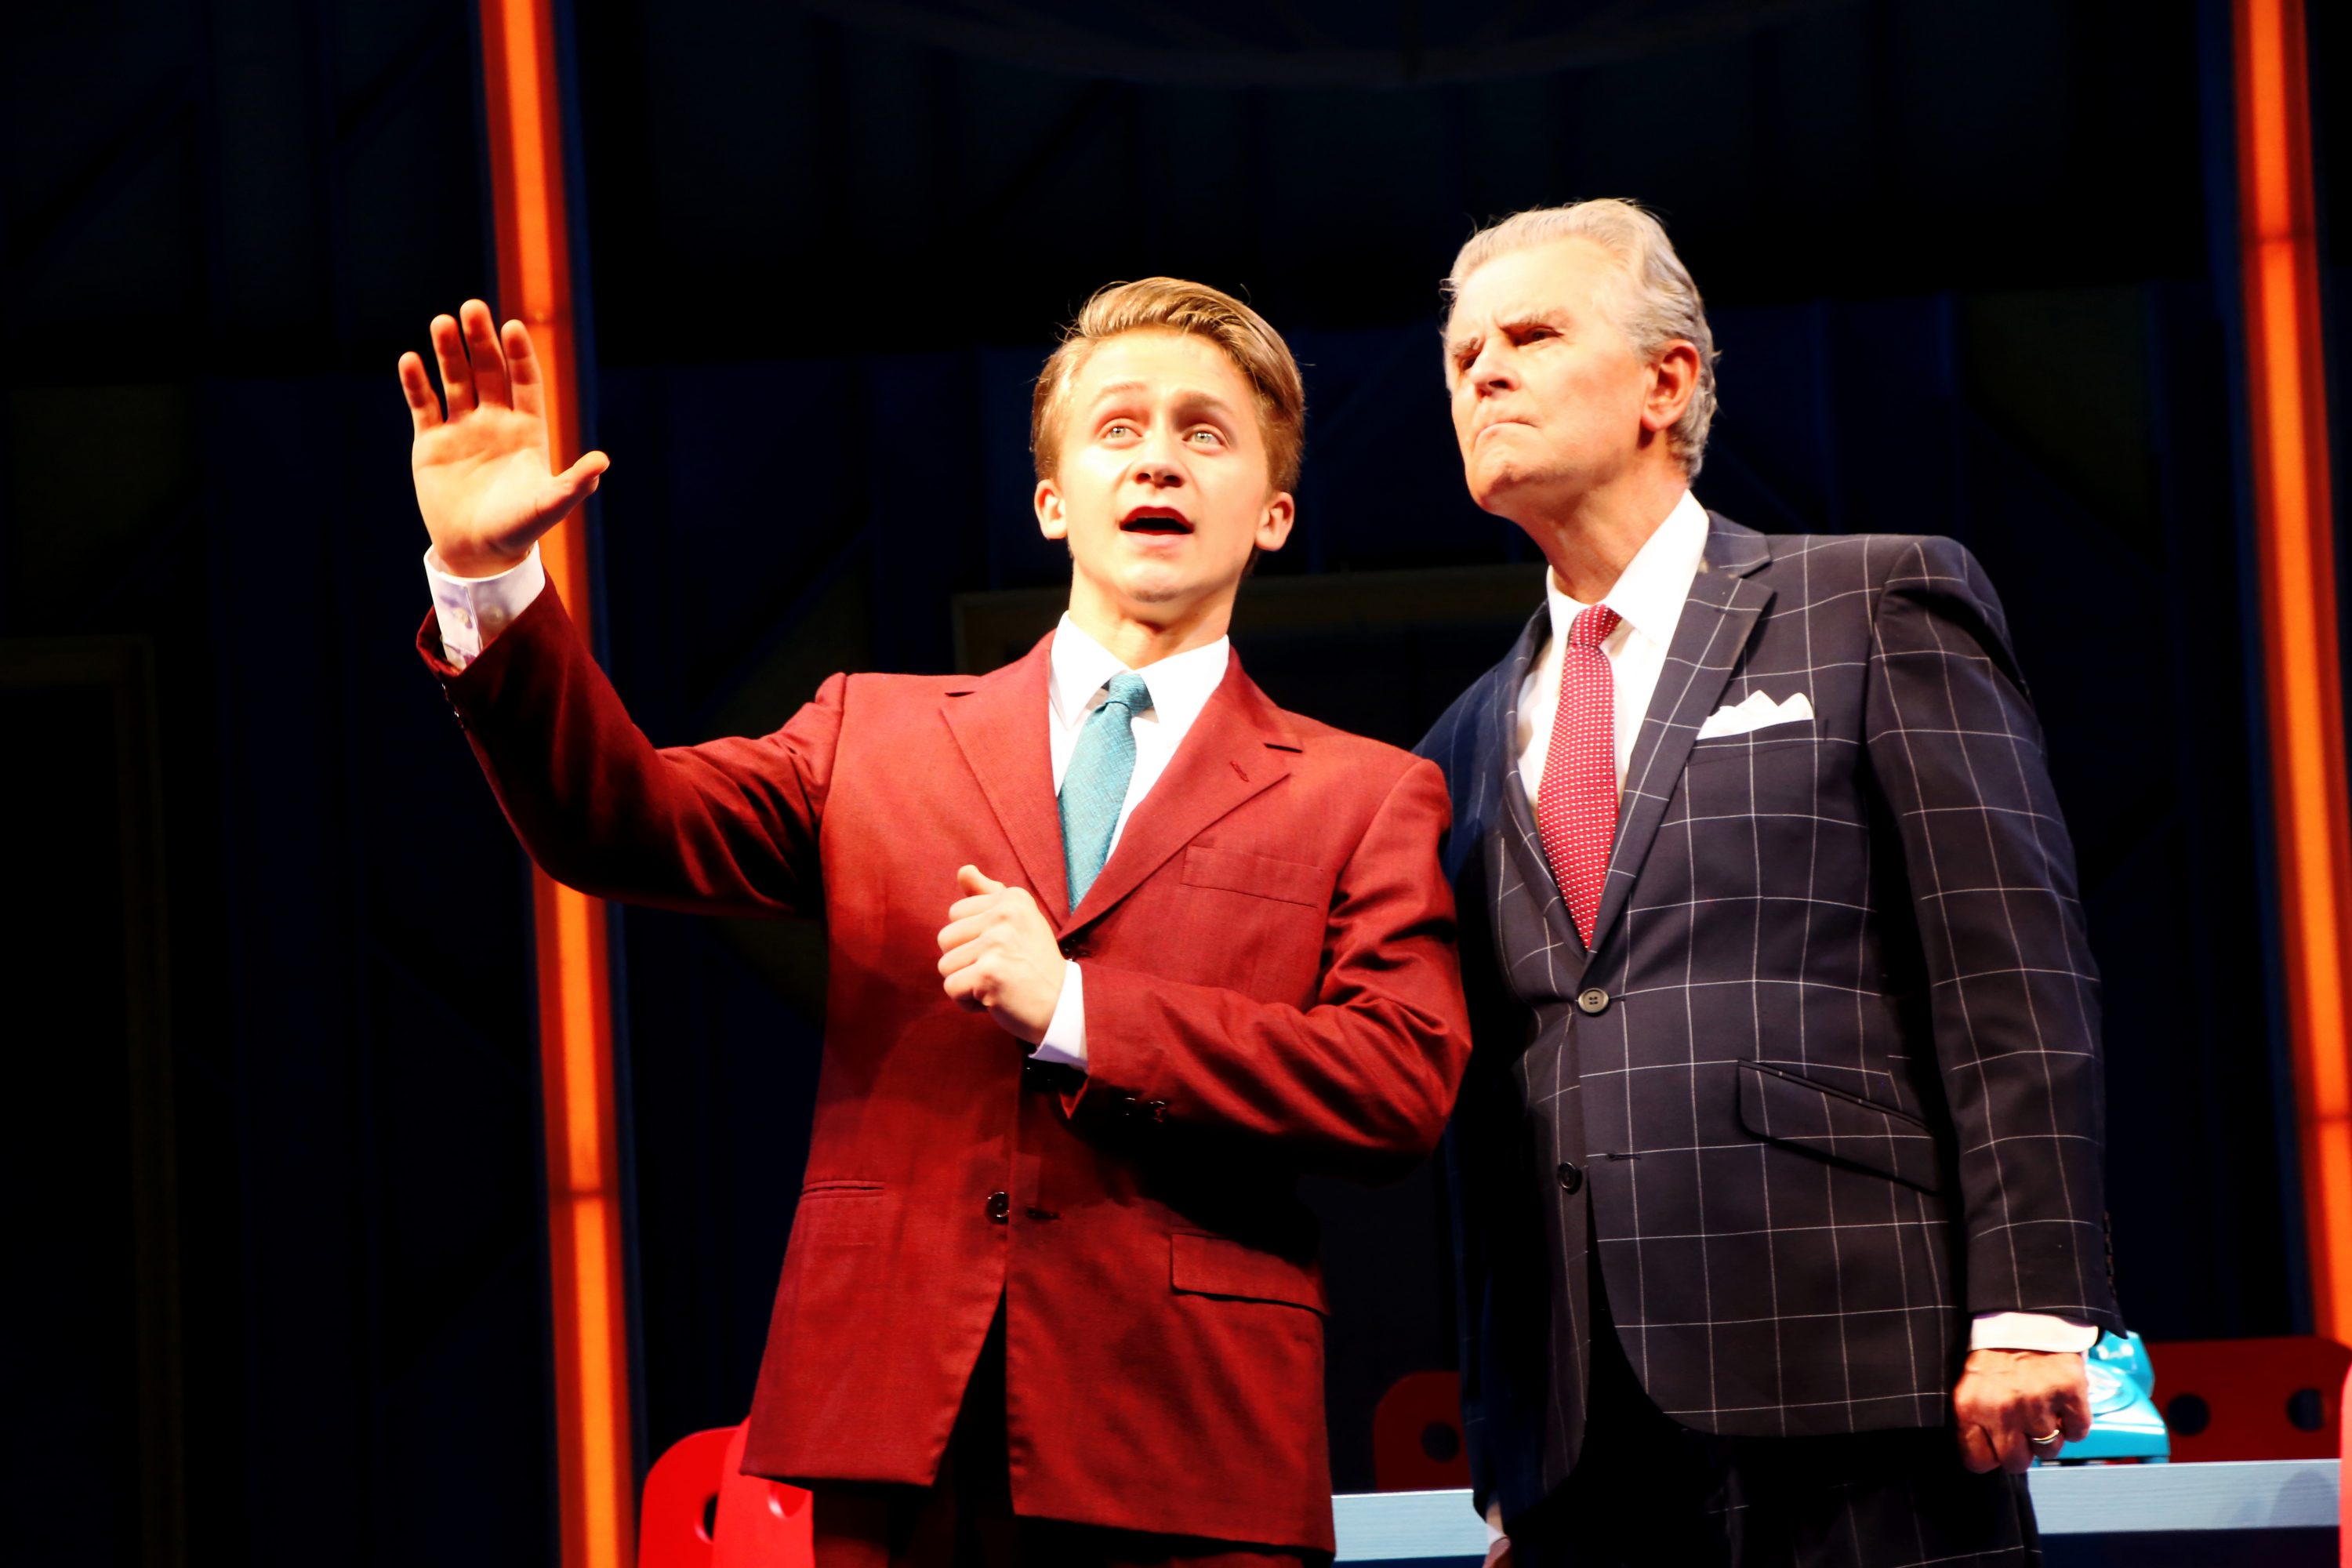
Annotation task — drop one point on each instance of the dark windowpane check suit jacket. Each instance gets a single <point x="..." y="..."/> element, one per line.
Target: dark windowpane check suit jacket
<point x="1828" y="1083"/>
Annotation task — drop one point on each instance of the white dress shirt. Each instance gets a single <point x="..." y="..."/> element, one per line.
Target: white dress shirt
<point x="471" y="611"/>
<point x="1649" y="594"/>
<point x="1181" y="686"/>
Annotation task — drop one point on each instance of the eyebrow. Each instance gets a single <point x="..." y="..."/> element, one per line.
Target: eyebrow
<point x="1191" y="395"/>
<point x="1552" y="316"/>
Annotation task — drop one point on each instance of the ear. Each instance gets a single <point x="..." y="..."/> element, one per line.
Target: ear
<point x="1274" y="522"/>
<point x="1673" y="381"/>
<point x="1053" y="519"/>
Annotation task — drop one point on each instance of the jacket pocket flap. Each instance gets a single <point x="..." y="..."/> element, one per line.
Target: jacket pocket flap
<point x="1787" y="1109"/>
<point x="1219" y="1266"/>
<point x="1238" y="871"/>
<point x="838" y="1213"/>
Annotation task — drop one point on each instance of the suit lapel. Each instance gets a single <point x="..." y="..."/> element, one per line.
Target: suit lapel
<point x="1000" y="725"/>
<point x="1516" y="837"/>
<point x="1716" y="621"/>
<point x="1239" y="746"/>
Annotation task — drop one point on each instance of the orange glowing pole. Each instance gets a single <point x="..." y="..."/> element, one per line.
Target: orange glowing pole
<point x="2295" y="546"/>
<point x="575" y="1031"/>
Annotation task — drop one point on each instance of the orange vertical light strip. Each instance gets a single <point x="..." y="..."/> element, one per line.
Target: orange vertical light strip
<point x="2294" y="531"/>
<point x="596" y="1473"/>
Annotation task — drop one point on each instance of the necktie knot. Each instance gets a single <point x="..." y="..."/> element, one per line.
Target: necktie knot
<point x="1593" y="626"/>
<point x="1129" y="690"/>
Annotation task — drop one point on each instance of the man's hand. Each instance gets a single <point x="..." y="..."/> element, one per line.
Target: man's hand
<point x="1499" y="1547"/>
<point x="2008" y="1398"/>
<point x="999" y="953"/>
<point x="482" y="478"/>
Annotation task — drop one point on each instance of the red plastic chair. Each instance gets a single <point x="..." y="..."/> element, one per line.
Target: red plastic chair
<point x="754" y="1522"/>
<point x="1417" y="1435"/>
<point x="2251" y="1399"/>
<point x="2343" y="1493"/>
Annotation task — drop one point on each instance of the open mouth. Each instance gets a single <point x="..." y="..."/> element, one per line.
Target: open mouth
<point x="1155" y="520"/>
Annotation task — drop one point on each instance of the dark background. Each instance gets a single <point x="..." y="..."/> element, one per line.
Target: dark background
<point x="272" y="1169"/>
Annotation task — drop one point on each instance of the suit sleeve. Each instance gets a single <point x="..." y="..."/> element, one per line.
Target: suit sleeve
<point x="1358" y="1083"/>
<point x="727" y="827"/>
<point x="1479" y="1132"/>
<point x="2014" y="992"/>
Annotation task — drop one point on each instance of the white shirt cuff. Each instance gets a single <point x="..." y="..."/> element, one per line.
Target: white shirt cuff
<point x="473" y="611"/>
<point x="2030" y="1331"/>
<point x="1065" y="1043"/>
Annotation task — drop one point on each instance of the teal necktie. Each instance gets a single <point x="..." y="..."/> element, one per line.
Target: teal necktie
<point x="1096" y="786"/>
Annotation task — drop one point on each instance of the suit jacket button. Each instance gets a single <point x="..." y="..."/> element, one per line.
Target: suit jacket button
<point x="1571" y="1178"/>
<point x="1000" y="1205"/>
<point x="1593" y="1003"/>
<point x="1073" y="948"/>
<point x="1157" y="1110"/>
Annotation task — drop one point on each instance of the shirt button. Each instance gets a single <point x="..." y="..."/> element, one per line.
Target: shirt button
<point x="1000" y="1205"/>
<point x="1571" y="1178"/>
<point x="1593" y="1003"/>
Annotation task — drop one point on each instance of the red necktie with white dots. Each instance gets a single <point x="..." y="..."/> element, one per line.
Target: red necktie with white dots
<point x="1576" y="806"/>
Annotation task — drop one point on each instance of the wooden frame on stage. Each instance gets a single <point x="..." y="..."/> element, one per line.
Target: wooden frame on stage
<point x="597" y="1477"/>
<point x="2303" y="656"/>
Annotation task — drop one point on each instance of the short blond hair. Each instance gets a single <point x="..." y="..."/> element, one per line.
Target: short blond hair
<point x="1174" y="305"/>
<point x="1660" y="305"/>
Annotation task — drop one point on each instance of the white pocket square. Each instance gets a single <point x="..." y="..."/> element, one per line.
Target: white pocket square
<point x="1758" y="712"/>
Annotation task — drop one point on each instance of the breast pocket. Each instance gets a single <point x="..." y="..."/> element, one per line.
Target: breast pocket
<point x="1769" y="794"/>
<point x="1264" y="918"/>
<point x="1739" y="748"/>
<point x="1261" y="876"/>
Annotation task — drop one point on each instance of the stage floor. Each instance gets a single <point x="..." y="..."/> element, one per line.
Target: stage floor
<point x="2272" y="1512"/>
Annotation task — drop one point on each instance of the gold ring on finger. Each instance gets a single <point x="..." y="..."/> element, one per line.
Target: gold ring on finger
<point x="2056" y="1433"/>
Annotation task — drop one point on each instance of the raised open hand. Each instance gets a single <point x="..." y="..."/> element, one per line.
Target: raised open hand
<point x="483" y="478"/>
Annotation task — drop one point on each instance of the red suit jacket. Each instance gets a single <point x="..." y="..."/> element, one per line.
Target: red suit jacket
<point x="1270" y="989"/>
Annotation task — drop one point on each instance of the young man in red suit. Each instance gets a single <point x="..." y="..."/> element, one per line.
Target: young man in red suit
<point x="1119" y="948"/>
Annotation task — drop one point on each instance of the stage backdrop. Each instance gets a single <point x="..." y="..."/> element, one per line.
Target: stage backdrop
<point x="272" y="1052"/>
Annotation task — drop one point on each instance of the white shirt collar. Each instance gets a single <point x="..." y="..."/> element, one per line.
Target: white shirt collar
<point x="1181" y="684"/>
<point x="1650" y="592"/>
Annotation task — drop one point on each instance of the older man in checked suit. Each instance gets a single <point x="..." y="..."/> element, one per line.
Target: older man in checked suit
<point x="1778" y="1169"/>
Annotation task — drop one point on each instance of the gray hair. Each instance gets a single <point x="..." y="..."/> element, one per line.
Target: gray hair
<point x="1661" y="304"/>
